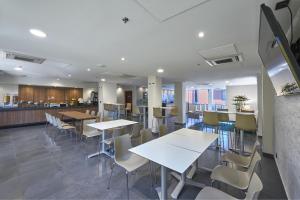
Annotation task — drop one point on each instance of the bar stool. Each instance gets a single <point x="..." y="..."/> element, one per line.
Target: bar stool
<point x="224" y="124"/>
<point x="157" y="115"/>
<point x="173" y="112"/>
<point x="136" y="113"/>
<point x="245" y="122"/>
<point x="210" y="119"/>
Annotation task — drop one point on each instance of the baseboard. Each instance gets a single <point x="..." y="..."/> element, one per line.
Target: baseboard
<point x="268" y="155"/>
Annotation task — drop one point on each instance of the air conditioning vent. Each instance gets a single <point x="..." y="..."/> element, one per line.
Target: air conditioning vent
<point x="225" y="60"/>
<point x="22" y="57"/>
<point x="127" y="76"/>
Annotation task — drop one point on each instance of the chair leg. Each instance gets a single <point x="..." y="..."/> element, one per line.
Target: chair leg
<point x="112" y="168"/>
<point x="127" y="185"/>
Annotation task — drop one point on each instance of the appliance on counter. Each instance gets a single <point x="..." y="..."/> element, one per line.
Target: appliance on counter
<point x="94" y="98"/>
<point x="54" y="105"/>
<point x="63" y="105"/>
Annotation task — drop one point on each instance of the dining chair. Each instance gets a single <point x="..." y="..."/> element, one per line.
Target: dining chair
<point x="146" y="135"/>
<point x="157" y="115"/>
<point x="233" y="177"/>
<point x="162" y="130"/>
<point x="116" y="132"/>
<point x="136" y="113"/>
<point x="238" y="161"/>
<point x="128" y="108"/>
<point x="88" y="131"/>
<point x="47" y="119"/>
<point x="173" y="112"/>
<point x="255" y="187"/>
<point x="63" y="126"/>
<point x="93" y="113"/>
<point x="87" y="112"/>
<point x="211" y="120"/>
<point x="125" y="159"/>
<point x="245" y="122"/>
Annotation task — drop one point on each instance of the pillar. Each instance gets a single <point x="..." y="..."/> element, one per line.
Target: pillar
<point x="107" y="93"/>
<point x="180" y="102"/>
<point x="154" y="98"/>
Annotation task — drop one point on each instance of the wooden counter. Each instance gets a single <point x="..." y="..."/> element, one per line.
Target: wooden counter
<point x="20" y="117"/>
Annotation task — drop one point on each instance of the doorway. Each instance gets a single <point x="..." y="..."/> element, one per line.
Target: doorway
<point x="128" y="98"/>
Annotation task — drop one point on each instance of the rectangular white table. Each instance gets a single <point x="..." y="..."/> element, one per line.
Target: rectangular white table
<point x="102" y="126"/>
<point x="176" y="151"/>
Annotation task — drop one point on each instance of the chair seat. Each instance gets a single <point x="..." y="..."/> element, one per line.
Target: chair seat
<point x="132" y="162"/>
<point x="230" y="176"/>
<point x="90" y="134"/>
<point x="68" y="127"/>
<point x="238" y="160"/>
<point x="212" y="193"/>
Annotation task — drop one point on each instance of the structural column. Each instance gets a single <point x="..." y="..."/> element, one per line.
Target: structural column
<point x="180" y="102"/>
<point x="154" y="98"/>
<point x="107" y="93"/>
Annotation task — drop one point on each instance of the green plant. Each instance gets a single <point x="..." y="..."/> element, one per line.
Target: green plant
<point x="239" y="102"/>
<point x="288" y="88"/>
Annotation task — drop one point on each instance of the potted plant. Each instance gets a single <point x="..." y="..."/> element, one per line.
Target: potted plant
<point x="239" y="101"/>
<point x="289" y="88"/>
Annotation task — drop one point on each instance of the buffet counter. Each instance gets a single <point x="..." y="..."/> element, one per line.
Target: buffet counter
<point x="21" y="116"/>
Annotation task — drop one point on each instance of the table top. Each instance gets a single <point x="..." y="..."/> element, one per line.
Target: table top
<point x="177" y="150"/>
<point x="111" y="124"/>
<point x="77" y="115"/>
<point x="170" y="156"/>
<point x="116" y="104"/>
<point x="233" y="112"/>
<point x="190" y="139"/>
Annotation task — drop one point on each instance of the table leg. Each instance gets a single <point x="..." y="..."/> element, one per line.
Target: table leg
<point x="162" y="191"/>
<point x="102" y="151"/>
<point x="144" y="112"/>
<point x="241" y="142"/>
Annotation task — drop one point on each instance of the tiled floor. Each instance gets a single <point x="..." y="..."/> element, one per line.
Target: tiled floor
<point x="40" y="164"/>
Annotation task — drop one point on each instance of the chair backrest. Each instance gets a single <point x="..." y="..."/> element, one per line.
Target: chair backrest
<point x="121" y="146"/>
<point x="58" y="122"/>
<point x="93" y="113"/>
<point x="255" y="160"/>
<point x="223" y="117"/>
<point x="128" y="106"/>
<point x="136" y="128"/>
<point x="254" y="188"/>
<point x="210" y="118"/>
<point x="174" y="111"/>
<point x="157" y="112"/>
<point x="162" y="130"/>
<point x="245" y="122"/>
<point x="248" y="111"/>
<point x="87" y="128"/>
<point x="54" y="121"/>
<point x="136" y="110"/>
<point x="87" y="112"/>
<point x="146" y="135"/>
<point x="106" y="119"/>
<point x="119" y="131"/>
<point x="222" y="109"/>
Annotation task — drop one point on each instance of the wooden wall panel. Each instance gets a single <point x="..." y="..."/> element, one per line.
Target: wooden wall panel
<point x="25" y="93"/>
<point x="39" y="94"/>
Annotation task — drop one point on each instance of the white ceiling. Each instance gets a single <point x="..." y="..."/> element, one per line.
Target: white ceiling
<point x="90" y="34"/>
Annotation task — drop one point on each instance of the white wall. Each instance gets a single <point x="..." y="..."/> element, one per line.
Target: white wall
<point x="249" y="91"/>
<point x="286" y="142"/>
<point x="7" y="89"/>
<point x="121" y="93"/>
<point x="106" y="94"/>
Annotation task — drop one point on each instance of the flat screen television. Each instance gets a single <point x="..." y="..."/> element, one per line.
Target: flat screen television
<point x="276" y="55"/>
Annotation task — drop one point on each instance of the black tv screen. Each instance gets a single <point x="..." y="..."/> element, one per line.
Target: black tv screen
<point x="276" y="55"/>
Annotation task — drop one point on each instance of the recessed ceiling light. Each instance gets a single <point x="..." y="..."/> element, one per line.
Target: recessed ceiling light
<point x="38" y="33"/>
<point x="227" y="82"/>
<point x="201" y="34"/>
<point x="210" y="84"/>
<point x="160" y="70"/>
<point x="123" y="59"/>
<point x="18" y="68"/>
<point x="57" y="79"/>
<point x="103" y="79"/>
<point x="88" y="69"/>
<point x="69" y="75"/>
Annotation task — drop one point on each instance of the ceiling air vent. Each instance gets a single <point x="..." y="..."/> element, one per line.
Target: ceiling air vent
<point x="22" y="57"/>
<point x="127" y="76"/>
<point x="224" y="60"/>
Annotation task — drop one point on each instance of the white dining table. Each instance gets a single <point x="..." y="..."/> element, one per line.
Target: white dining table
<point x="176" y="151"/>
<point x="102" y="126"/>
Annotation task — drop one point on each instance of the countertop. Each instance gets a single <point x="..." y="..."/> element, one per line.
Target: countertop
<point x="42" y="107"/>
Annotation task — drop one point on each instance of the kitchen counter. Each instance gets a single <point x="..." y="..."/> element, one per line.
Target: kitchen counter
<point x="23" y="116"/>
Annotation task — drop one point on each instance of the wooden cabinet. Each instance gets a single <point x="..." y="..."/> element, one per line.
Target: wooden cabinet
<point x="49" y="94"/>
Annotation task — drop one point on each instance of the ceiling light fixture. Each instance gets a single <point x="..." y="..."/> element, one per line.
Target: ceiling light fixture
<point x="160" y="70"/>
<point x="57" y="79"/>
<point x="227" y="82"/>
<point x="88" y="69"/>
<point x="18" y="68"/>
<point x="103" y="79"/>
<point x="38" y="33"/>
<point x="69" y="75"/>
<point x="123" y="59"/>
<point x="201" y="34"/>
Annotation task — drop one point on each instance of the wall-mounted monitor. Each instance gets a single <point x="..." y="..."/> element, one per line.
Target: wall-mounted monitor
<point x="276" y="55"/>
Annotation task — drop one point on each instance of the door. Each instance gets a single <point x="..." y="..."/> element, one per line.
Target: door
<point x="128" y="98"/>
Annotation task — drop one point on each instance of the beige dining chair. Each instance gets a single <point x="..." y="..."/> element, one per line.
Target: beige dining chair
<point x="64" y="127"/>
<point x="125" y="159"/>
<point x="87" y="112"/>
<point x="157" y="115"/>
<point x="233" y="177"/>
<point x="93" y="113"/>
<point x="162" y="130"/>
<point x="136" y="113"/>
<point x="210" y="119"/>
<point x="116" y="132"/>
<point x="146" y="135"/>
<point x="128" y="108"/>
<point x="238" y="161"/>
<point x="255" y="187"/>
